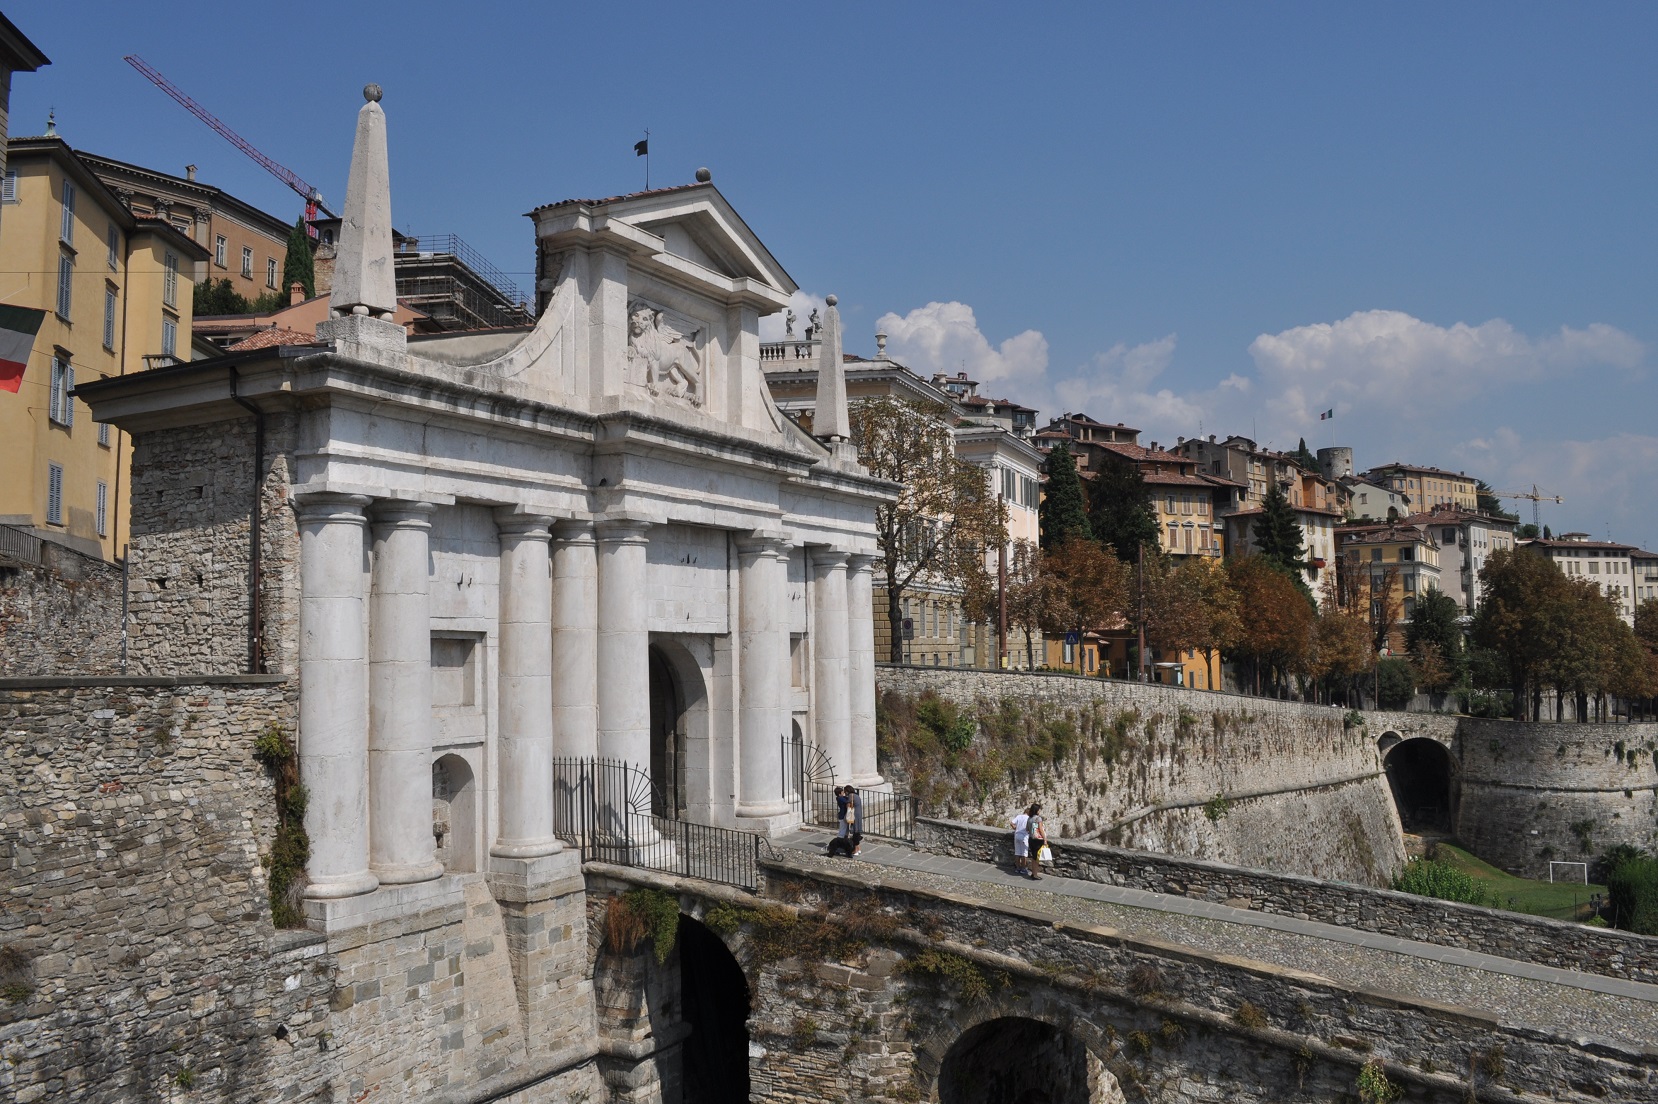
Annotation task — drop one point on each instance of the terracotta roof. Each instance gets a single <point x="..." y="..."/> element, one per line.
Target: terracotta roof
<point x="617" y="198"/>
<point x="272" y="338"/>
<point x="1175" y="479"/>
<point x="1608" y="545"/>
<point x="1398" y="465"/>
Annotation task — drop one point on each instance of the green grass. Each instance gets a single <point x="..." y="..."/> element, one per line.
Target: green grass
<point x="1561" y="900"/>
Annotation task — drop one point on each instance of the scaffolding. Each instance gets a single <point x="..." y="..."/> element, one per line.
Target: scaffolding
<point x="444" y="277"/>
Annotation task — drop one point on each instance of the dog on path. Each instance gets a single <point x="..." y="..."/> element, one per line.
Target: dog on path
<point x="843" y="846"/>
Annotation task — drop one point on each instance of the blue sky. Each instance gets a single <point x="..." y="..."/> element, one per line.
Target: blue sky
<point x="1435" y="219"/>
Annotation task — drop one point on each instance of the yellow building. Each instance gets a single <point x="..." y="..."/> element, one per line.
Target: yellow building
<point x="1405" y="551"/>
<point x="116" y="291"/>
<point x="1426" y="488"/>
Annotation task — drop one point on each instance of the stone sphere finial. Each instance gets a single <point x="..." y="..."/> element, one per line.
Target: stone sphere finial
<point x="704" y="176"/>
<point x="831" y="300"/>
<point x="372" y="93"/>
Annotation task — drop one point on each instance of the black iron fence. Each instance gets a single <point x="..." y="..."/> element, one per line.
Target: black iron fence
<point x="606" y="808"/>
<point x="809" y="782"/>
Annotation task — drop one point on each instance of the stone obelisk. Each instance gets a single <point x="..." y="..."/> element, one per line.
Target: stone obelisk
<point x="364" y="296"/>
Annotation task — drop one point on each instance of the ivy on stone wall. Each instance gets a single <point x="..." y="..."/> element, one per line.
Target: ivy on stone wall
<point x="285" y="865"/>
<point x="639" y="915"/>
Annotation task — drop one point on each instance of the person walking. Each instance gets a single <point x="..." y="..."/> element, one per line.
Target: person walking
<point x="1021" y="842"/>
<point x="842" y="803"/>
<point x="855" y="819"/>
<point x="1036" y="841"/>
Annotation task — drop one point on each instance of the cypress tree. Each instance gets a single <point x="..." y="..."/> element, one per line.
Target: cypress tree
<point x="1278" y="535"/>
<point x="299" y="264"/>
<point x="1305" y="458"/>
<point x="1120" y="510"/>
<point x="1062" y="514"/>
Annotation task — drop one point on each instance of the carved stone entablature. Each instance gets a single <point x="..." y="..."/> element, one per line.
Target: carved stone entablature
<point x="665" y="352"/>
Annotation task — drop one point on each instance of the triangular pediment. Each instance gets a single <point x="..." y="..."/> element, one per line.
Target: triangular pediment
<point x="699" y="225"/>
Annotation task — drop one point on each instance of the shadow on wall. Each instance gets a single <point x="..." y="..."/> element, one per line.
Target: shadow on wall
<point x="1014" y="1060"/>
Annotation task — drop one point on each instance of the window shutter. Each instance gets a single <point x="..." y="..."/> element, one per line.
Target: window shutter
<point x="103" y="508"/>
<point x="68" y="228"/>
<point x="109" y="318"/>
<point x="68" y="402"/>
<point x="114" y="248"/>
<point x="8" y="190"/>
<point x="66" y="276"/>
<point x="54" y="494"/>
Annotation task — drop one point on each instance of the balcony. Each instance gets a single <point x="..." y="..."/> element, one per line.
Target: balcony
<point x="775" y="352"/>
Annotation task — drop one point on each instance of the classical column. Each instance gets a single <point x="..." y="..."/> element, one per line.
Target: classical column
<point x="831" y="722"/>
<point x="763" y="671"/>
<point x="575" y="640"/>
<point x="401" y="846"/>
<point x="860" y="667"/>
<point x="525" y="778"/>
<point x="333" y="694"/>
<point x="624" y="644"/>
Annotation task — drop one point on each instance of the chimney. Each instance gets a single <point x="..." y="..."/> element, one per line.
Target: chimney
<point x="189" y="172"/>
<point x="296" y="293"/>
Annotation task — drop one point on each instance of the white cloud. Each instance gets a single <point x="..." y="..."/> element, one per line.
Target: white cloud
<point x="945" y="337"/>
<point x="1119" y="385"/>
<point x="1606" y="482"/>
<point x="1388" y="362"/>
<point x="803" y="303"/>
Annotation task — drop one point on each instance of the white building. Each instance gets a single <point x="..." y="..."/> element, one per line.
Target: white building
<point x="1607" y="564"/>
<point x="1374" y="501"/>
<point x="1466" y="540"/>
<point x="489" y="551"/>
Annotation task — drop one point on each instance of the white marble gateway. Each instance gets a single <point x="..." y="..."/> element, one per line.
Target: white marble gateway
<point x="596" y="538"/>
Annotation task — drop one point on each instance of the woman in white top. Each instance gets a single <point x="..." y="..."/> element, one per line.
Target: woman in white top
<point x="1021" y="842"/>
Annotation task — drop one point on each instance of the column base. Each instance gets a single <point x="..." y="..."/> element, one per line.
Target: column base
<point x="771" y="826"/>
<point x="531" y="880"/>
<point x="408" y="873"/>
<point x="442" y="900"/>
<point x="349" y="885"/>
<point x="526" y="849"/>
<point x="762" y="809"/>
<point x="868" y="781"/>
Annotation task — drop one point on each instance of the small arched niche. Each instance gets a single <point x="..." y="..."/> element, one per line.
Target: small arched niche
<point x="455" y="814"/>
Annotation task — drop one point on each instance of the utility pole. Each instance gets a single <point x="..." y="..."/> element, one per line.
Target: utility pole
<point x="1001" y="588"/>
<point x="1140" y="574"/>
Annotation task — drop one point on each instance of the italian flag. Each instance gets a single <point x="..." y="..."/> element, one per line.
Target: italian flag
<point x="18" y="326"/>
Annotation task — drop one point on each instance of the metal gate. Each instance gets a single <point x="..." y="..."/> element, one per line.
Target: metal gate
<point x="606" y="809"/>
<point x="809" y="783"/>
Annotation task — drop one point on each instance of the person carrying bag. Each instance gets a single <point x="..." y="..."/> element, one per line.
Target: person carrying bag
<point x="1039" y="849"/>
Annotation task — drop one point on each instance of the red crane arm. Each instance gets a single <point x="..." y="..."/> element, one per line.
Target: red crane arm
<point x="287" y="176"/>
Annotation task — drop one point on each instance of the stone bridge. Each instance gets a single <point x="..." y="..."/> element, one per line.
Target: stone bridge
<point x="914" y="976"/>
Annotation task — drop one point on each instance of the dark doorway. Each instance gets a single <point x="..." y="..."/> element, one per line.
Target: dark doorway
<point x="1420" y="774"/>
<point x="1015" y="1061"/>
<point x="667" y="739"/>
<point x="714" y="996"/>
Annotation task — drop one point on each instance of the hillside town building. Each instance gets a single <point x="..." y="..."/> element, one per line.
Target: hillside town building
<point x="1611" y="566"/>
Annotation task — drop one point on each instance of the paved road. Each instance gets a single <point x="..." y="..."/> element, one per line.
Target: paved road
<point x="1523" y="993"/>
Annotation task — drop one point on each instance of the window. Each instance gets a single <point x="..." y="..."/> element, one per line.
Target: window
<point x="66" y="232"/>
<point x="1407" y="554"/>
<point x="113" y="241"/>
<point x="219" y="245"/>
<point x="54" y="494"/>
<point x="169" y="337"/>
<point x="109" y="317"/>
<point x="1376" y="555"/>
<point x="1594" y="567"/>
<point x="247" y="262"/>
<point x="8" y="190"/>
<point x="103" y="434"/>
<point x="270" y="272"/>
<point x="60" y="408"/>
<point x="169" y="279"/>
<point x="103" y="508"/>
<point x="66" y="282"/>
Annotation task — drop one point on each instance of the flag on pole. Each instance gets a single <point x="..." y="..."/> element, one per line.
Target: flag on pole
<point x="641" y="148"/>
<point x="1327" y="415"/>
<point x="18" y="326"/>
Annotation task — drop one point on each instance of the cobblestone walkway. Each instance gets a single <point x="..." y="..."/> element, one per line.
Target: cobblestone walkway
<point x="1520" y="993"/>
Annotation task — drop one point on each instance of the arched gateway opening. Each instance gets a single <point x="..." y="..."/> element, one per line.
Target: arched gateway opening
<point x="715" y="1003"/>
<point x="1014" y="1060"/>
<point x="1423" y="779"/>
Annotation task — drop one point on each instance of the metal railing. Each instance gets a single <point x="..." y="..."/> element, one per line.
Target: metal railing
<point x="19" y="544"/>
<point x="809" y="783"/>
<point x="612" y="812"/>
<point x="456" y="247"/>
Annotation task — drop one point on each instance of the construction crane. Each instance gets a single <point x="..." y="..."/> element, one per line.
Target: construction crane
<point x="312" y="197"/>
<point x="1536" y="498"/>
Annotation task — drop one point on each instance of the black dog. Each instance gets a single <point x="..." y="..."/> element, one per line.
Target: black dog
<point x="843" y="846"/>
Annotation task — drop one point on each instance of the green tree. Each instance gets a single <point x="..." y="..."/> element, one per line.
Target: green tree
<point x="216" y="297"/>
<point x="1277" y="536"/>
<point x="1304" y="458"/>
<point x="1276" y="631"/>
<point x="1033" y="594"/>
<point x="1487" y="502"/>
<point x="944" y="518"/>
<point x="1063" y="513"/>
<point x="1646" y="623"/>
<point x="1520" y="618"/>
<point x="1395" y="683"/>
<point x="1120" y="511"/>
<point x="299" y="265"/>
<point x="1434" y="622"/>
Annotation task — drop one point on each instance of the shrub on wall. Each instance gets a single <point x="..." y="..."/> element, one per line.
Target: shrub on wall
<point x="1395" y="683"/>
<point x="1632" y="889"/>
<point x="1432" y="878"/>
<point x="285" y="866"/>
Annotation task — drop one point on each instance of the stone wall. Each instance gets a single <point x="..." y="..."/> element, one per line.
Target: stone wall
<point x="861" y="992"/>
<point x="138" y="957"/>
<point x="1512" y="935"/>
<point x="1532" y="792"/>
<point x="188" y="603"/>
<point x="60" y="615"/>
<point x="1301" y="791"/>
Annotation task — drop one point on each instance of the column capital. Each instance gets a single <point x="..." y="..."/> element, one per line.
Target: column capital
<point x="760" y="543"/>
<point x="331" y="506"/>
<point x="398" y="513"/>
<point x="860" y="562"/>
<point x="513" y="522"/>
<point x="574" y="531"/>
<point x="827" y="558"/>
<point x="622" y="531"/>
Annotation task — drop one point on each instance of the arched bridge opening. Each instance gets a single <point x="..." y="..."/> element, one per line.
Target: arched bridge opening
<point x="1018" y="1060"/>
<point x="714" y="999"/>
<point x="1423" y="778"/>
